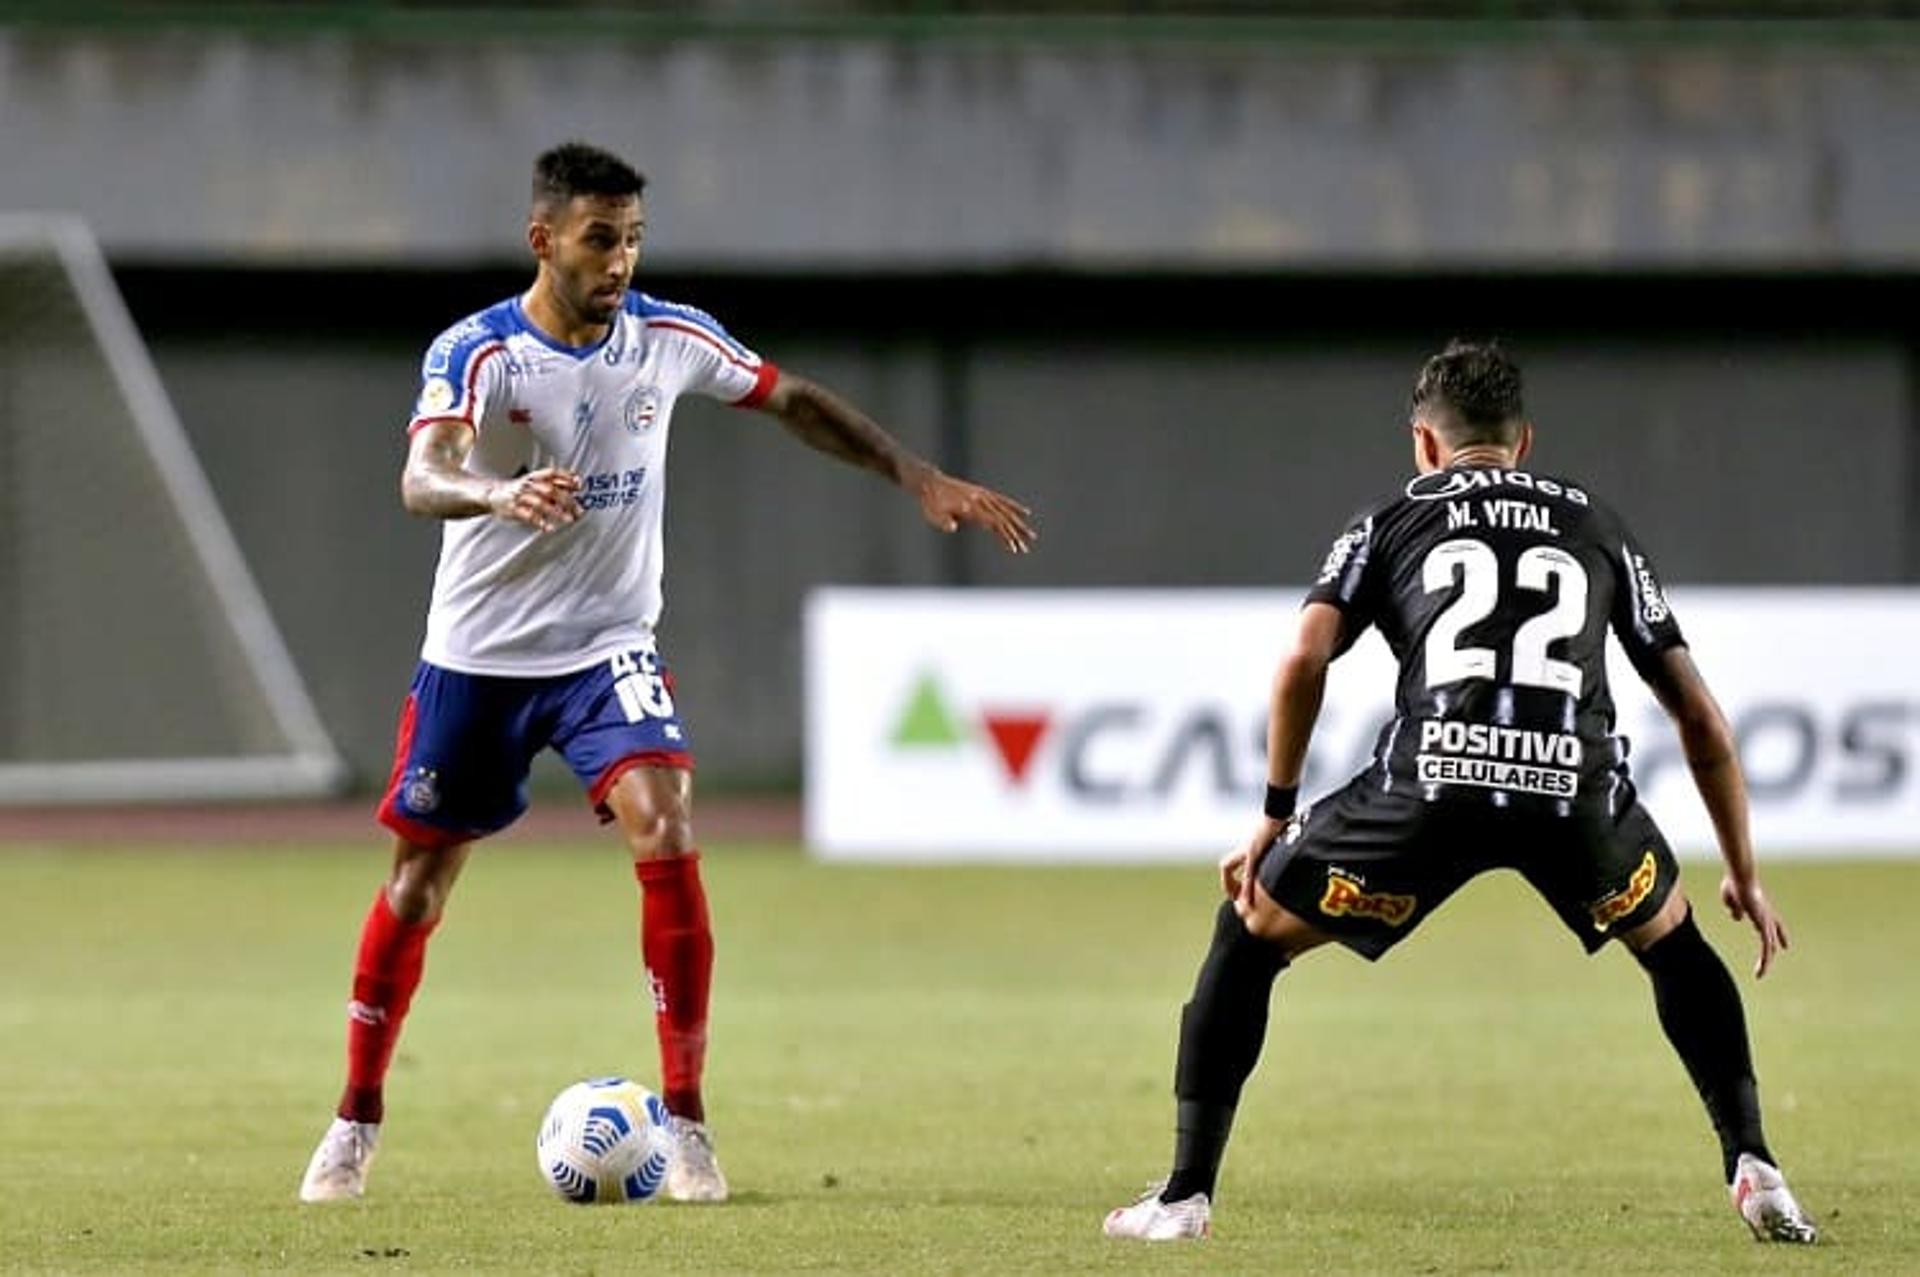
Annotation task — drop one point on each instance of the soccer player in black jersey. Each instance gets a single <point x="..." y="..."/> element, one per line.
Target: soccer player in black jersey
<point x="1495" y="588"/>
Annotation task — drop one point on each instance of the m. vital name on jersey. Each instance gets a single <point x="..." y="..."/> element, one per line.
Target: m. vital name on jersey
<point x="1516" y="516"/>
<point x="1490" y="757"/>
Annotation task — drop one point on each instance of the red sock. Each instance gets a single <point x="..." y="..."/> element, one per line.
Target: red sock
<point x="392" y="955"/>
<point x="676" y="942"/>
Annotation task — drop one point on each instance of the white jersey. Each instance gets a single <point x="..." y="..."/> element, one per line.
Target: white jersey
<point x="510" y="600"/>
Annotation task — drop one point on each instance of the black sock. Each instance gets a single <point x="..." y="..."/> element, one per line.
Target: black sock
<point x="1221" y="1029"/>
<point x="1699" y="1007"/>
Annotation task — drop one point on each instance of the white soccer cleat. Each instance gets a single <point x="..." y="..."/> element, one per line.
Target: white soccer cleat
<point x="1152" y="1220"/>
<point x="338" y="1171"/>
<point x="1761" y="1195"/>
<point x="695" y="1175"/>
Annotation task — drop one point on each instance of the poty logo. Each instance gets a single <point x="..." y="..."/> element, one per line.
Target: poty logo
<point x="927" y="722"/>
<point x="1346" y="898"/>
<point x="1628" y="898"/>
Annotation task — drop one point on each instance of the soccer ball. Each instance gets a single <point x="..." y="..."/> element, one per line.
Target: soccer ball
<point x="605" y="1140"/>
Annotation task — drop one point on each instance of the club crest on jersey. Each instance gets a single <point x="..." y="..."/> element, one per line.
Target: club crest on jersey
<point x="641" y="410"/>
<point x="421" y="791"/>
<point x="1344" y="897"/>
<point x="436" y="395"/>
<point x="1628" y="898"/>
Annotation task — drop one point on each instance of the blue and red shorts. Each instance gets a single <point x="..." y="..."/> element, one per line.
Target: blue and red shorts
<point x="467" y="741"/>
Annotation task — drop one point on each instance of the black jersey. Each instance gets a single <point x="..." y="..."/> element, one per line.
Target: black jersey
<point x="1495" y="589"/>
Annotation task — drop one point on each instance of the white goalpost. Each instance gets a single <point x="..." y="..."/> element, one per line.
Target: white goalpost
<point x="138" y="660"/>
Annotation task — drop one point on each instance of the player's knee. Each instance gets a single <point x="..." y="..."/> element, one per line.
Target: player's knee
<point x="1678" y="942"/>
<point x="654" y="808"/>
<point x="415" y="892"/>
<point x="1674" y="915"/>
<point x="1272" y="923"/>
<point x="1265" y="919"/>
<point x="658" y="830"/>
<point x="662" y="845"/>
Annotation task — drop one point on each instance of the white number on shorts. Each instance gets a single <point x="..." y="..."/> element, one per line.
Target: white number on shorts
<point x="1479" y="570"/>
<point x="638" y="683"/>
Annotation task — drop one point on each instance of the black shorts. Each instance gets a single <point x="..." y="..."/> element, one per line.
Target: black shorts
<point x="1366" y="866"/>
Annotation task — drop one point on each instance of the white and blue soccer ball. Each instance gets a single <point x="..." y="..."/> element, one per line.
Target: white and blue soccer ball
<point x="606" y="1140"/>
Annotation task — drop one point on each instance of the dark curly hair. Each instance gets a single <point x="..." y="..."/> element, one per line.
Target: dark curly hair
<point x="1470" y="393"/>
<point x="575" y="168"/>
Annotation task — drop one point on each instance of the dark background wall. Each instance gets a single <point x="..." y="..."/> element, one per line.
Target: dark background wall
<point x="933" y="134"/>
<point x="1164" y="270"/>
<point x="1170" y="429"/>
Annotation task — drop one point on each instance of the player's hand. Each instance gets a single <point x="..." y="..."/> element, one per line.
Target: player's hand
<point x="1746" y="901"/>
<point x="948" y="502"/>
<point x="542" y="499"/>
<point x="1240" y="867"/>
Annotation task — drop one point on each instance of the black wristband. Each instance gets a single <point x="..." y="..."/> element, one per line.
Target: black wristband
<point x="1280" y="800"/>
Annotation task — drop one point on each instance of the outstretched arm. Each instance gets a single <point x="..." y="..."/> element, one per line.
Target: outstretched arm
<point x="1708" y="744"/>
<point x="1292" y="709"/>
<point x="823" y="420"/>
<point x="437" y="484"/>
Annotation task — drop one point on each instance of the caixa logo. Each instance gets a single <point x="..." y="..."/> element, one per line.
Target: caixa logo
<point x="927" y="721"/>
<point x="1115" y="750"/>
<point x="1854" y="753"/>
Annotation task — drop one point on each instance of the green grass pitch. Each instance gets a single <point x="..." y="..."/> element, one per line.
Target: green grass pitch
<point x="938" y="1070"/>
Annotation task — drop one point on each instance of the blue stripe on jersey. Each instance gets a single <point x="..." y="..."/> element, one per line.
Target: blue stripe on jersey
<point x="453" y="350"/>
<point x="647" y="307"/>
<point x="517" y="314"/>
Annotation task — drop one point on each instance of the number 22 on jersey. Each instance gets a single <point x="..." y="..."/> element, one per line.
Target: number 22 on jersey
<point x="1477" y="568"/>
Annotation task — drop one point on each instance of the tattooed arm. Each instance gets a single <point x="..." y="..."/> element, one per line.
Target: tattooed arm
<point x="824" y="421"/>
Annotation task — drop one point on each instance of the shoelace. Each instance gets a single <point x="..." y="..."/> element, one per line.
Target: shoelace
<point x="345" y="1151"/>
<point x="697" y="1146"/>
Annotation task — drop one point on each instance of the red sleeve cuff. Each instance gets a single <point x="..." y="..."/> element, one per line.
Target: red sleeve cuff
<point x="762" y="387"/>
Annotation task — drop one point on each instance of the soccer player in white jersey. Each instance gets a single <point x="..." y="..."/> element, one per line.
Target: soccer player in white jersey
<point x="540" y="437"/>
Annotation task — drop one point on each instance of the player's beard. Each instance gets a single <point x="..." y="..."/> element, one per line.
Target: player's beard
<point x="598" y="307"/>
